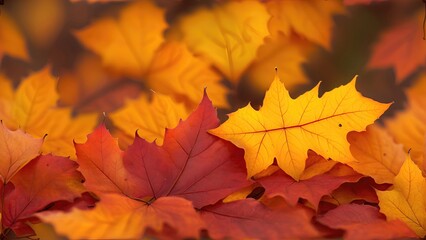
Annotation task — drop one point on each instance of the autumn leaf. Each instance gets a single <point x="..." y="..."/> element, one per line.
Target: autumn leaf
<point x="147" y="176"/>
<point x="34" y="110"/>
<point x="16" y="150"/>
<point x="119" y="217"/>
<point x="123" y="48"/>
<point x="316" y="165"/>
<point x="42" y="181"/>
<point x="287" y="53"/>
<point x="364" y="222"/>
<point x="100" y="162"/>
<point x="187" y="164"/>
<point x="175" y="71"/>
<point x="89" y="87"/>
<point x="166" y="67"/>
<point x="285" y="128"/>
<point x="149" y="118"/>
<point x="406" y="200"/>
<point x="401" y="47"/>
<point x="310" y="19"/>
<point x="11" y="39"/>
<point x="348" y="192"/>
<point x="225" y="35"/>
<point x="408" y="126"/>
<point x="312" y="189"/>
<point x="376" y="154"/>
<point x="249" y="218"/>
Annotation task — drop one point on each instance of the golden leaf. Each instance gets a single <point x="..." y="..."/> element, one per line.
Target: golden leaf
<point x="286" y="128"/>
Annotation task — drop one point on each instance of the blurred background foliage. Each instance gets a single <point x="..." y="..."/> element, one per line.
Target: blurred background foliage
<point x="51" y="35"/>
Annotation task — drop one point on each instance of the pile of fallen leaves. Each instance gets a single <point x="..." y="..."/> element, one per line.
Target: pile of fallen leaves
<point x="159" y="163"/>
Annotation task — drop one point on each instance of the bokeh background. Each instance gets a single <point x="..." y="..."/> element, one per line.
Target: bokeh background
<point x="49" y="29"/>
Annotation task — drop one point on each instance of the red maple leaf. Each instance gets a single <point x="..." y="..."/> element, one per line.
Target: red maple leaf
<point x="365" y="222"/>
<point x="312" y="189"/>
<point x="249" y="218"/>
<point x="42" y="181"/>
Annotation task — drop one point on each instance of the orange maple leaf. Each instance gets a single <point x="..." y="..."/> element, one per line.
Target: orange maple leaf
<point x="376" y="154"/>
<point x="408" y="126"/>
<point x="401" y="47"/>
<point x="123" y="49"/>
<point x="310" y="19"/>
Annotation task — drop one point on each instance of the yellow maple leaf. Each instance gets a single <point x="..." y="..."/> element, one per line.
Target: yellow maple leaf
<point x="227" y="35"/>
<point x="311" y="19"/>
<point x="406" y="201"/>
<point x="376" y="154"/>
<point x="175" y="71"/>
<point x="33" y="109"/>
<point x="149" y="118"/>
<point x="127" y="44"/>
<point x="12" y="41"/>
<point x="286" y="128"/>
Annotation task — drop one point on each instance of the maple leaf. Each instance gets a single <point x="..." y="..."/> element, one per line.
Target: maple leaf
<point x="249" y="218"/>
<point x="187" y="164"/>
<point x="149" y="176"/>
<point x="401" y="47"/>
<point x="406" y="201"/>
<point x="310" y="19"/>
<point x="348" y="192"/>
<point x="225" y="35"/>
<point x="285" y="128"/>
<point x="287" y="53"/>
<point x="120" y="217"/>
<point x="42" y="181"/>
<point x="376" y="154"/>
<point x="12" y="41"/>
<point x="90" y="87"/>
<point x="16" y="149"/>
<point x="312" y="189"/>
<point x="123" y="49"/>
<point x="150" y="118"/>
<point x="33" y="109"/>
<point x="364" y="222"/>
<point x="316" y="165"/>
<point x="175" y="71"/>
<point x="408" y="126"/>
